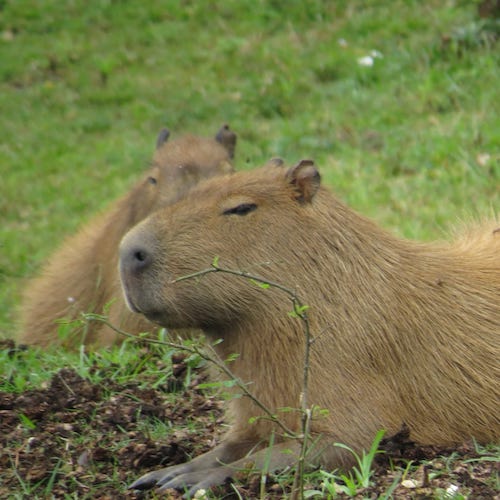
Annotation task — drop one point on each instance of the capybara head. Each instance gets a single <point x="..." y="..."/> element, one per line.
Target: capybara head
<point x="250" y="221"/>
<point x="177" y="166"/>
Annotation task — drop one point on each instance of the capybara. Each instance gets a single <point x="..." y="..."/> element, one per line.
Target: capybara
<point x="403" y="333"/>
<point x="82" y="275"/>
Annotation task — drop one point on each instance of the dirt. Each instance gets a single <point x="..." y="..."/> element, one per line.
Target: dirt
<point x="79" y="439"/>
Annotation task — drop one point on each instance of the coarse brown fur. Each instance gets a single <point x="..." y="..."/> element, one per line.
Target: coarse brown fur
<point x="81" y="276"/>
<point x="404" y="332"/>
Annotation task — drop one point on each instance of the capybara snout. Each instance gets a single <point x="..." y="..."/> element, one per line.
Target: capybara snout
<point x="136" y="259"/>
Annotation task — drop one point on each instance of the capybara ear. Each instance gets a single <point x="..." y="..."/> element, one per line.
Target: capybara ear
<point x="306" y="180"/>
<point x="275" y="162"/>
<point x="227" y="138"/>
<point x="162" y="137"/>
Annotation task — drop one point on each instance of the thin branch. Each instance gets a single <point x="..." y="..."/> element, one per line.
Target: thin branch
<point x="217" y="269"/>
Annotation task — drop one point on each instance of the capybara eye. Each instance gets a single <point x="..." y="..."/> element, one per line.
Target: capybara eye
<point x="152" y="180"/>
<point x="243" y="209"/>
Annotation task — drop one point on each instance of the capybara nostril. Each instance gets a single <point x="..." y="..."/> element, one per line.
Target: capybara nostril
<point x="141" y="256"/>
<point x="135" y="259"/>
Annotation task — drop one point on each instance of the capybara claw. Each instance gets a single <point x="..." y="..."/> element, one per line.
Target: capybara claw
<point x="148" y="481"/>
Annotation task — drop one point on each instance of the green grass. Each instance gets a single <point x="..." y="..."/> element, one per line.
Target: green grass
<point x="359" y="478"/>
<point x="25" y="369"/>
<point x="412" y="141"/>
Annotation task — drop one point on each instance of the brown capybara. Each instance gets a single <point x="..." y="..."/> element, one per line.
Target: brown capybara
<point x="82" y="275"/>
<point x="402" y="332"/>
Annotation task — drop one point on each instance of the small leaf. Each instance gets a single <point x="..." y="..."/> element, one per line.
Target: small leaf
<point x="301" y="309"/>
<point x="27" y="422"/>
<point x="298" y="311"/>
<point x="261" y="284"/>
<point x="209" y="385"/>
<point x="232" y="357"/>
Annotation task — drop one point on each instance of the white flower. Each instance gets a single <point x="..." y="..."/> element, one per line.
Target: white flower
<point x="366" y="61"/>
<point x="369" y="60"/>
<point x="483" y="159"/>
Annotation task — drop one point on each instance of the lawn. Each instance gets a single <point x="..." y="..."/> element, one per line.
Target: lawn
<point x="397" y="102"/>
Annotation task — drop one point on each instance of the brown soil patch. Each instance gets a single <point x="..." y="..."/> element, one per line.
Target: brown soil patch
<point x="74" y="438"/>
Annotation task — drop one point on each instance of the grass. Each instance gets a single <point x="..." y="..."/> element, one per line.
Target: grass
<point x="358" y="479"/>
<point x="411" y="141"/>
<point x="23" y="369"/>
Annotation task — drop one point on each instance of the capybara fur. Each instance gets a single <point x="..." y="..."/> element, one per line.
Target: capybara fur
<point x="403" y="333"/>
<point x="82" y="277"/>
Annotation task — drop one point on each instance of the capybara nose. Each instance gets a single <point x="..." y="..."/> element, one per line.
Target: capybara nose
<point x="135" y="254"/>
<point x="138" y="259"/>
<point x="134" y="260"/>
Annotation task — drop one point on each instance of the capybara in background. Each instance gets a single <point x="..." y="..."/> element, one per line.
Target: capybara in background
<point x="82" y="275"/>
<point x="402" y="332"/>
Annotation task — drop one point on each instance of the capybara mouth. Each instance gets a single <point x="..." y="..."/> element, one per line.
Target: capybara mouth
<point x="135" y="306"/>
<point x="128" y="296"/>
<point x="130" y="303"/>
<point x="155" y="317"/>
